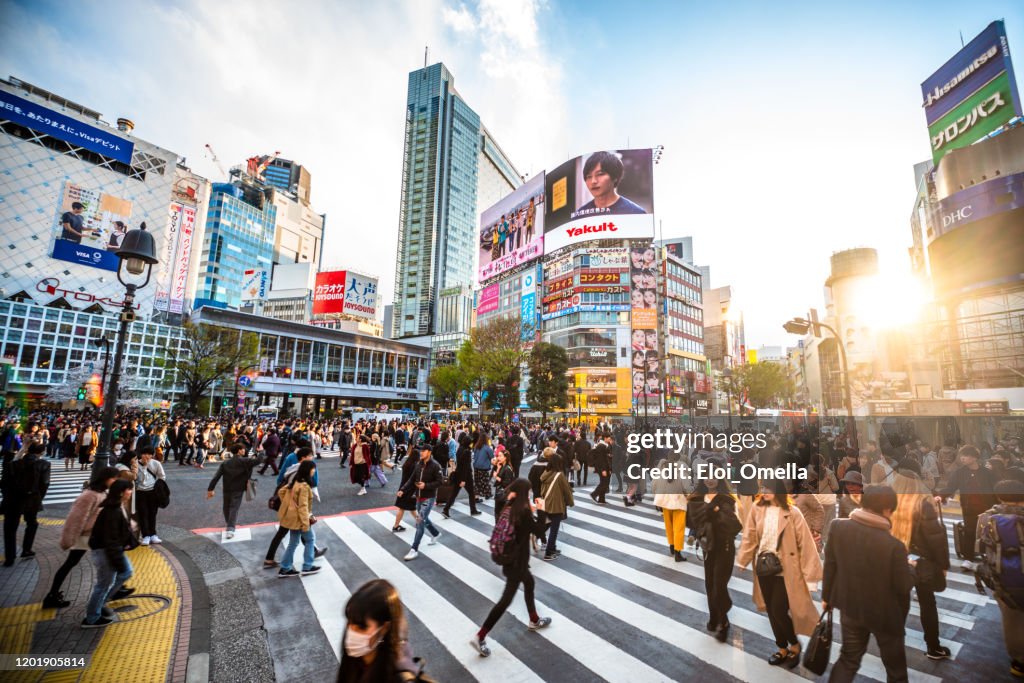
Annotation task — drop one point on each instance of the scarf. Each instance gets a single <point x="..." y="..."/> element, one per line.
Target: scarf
<point x="868" y="518"/>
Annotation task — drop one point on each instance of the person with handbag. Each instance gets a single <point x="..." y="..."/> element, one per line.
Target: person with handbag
<point x="286" y="476"/>
<point x="110" y="535"/>
<point x="712" y="512"/>
<point x="868" y="579"/>
<point x="778" y="541"/>
<point x="296" y="515"/>
<point x="146" y="504"/>
<point x="237" y="471"/>
<point x="555" y="501"/>
<point x="916" y="523"/>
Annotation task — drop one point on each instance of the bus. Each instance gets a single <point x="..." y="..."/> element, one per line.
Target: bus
<point x="266" y="412"/>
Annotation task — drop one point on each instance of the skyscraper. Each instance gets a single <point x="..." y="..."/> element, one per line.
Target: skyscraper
<point x="452" y="168"/>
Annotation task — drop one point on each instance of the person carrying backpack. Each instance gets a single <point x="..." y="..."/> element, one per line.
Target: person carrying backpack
<point x="510" y="547"/>
<point x="1000" y="537"/>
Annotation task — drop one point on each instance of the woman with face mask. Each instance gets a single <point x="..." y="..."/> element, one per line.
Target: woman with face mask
<point x="374" y="647"/>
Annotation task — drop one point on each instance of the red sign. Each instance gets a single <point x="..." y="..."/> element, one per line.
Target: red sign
<point x="329" y="294"/>
<point x="606" y="289"/>
<point x="600" y="278"/>
<point x="51" y="285"/>
<point x="559" y="285"/>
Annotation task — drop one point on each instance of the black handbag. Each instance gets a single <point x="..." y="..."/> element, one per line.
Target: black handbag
<point x="768" y="562"/>
<point x="819" y="647"/>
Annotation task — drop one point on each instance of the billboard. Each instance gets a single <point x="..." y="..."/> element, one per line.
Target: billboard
<point x="528" y="307"/>
<point x="488" y="299"/>
<point x="972" y="94"/>
<point x="329" y="292"/>
<point x="89" y="227"/>
<point x="179" y="268"/>
<point x="603" y="195"/>
<point x="645" y="363"/>
<point x="360" y="296"/>
<point x="42" y="120"/>
<point x="254" y="284"/>
<point x="512" y="231"/>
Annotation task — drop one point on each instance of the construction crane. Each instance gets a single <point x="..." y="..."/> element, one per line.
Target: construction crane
<point x="213" y="157"/>
<point x="264" y="162"/>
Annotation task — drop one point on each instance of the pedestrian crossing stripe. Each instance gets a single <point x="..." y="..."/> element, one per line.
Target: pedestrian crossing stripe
<point x="630" y="595"/>
<point x="65" y="485"/>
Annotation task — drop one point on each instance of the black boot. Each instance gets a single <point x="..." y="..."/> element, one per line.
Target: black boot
<point x="678" y="555"/>
<point x="55" y="601"/>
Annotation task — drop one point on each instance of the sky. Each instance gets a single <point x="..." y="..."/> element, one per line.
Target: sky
<point x="790" y="128"/>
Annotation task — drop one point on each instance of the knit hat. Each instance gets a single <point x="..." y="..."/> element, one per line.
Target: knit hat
<point x="853" y="477"/>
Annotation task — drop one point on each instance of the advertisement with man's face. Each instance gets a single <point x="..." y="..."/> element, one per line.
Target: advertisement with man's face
<point x="90" y="227"/>
<point x="512" y="231"/>
<point x="602" y="195"/>
<point x="644" y="360"/>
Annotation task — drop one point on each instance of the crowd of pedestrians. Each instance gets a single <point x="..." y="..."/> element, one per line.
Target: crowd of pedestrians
<point x="865" y="525"/>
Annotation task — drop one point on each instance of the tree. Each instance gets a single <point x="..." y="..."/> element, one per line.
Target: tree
<point x="490" y="362"/>
<point x="207" y="354"/>
<point x="549" y="384"/>
<point x="765" y="384"/>
<point x="448" y="382"/>
<point x="133" y="390"/>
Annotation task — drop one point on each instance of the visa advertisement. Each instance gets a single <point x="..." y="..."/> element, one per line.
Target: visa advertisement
<point x="512" y="231"/>
<point x="972" y="94"/>
<point x="603" y="195"/>
<point x="90" y="227"/>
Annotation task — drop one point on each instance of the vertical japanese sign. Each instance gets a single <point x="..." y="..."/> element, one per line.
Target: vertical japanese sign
<point x="329" y="292"/>
<point x="179" y="279"/>
<point x="528" y="306"/>
<point x="360" y="296"/>
<point x="645" y="363"/>
<point x="165" y="277"/>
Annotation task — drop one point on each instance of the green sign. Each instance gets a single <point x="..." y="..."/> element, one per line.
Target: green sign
<point x="974" y="118"/>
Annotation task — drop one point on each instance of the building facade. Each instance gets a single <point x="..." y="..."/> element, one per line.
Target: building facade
<point x="452" y="167"/>
<point x="687" y="382"/>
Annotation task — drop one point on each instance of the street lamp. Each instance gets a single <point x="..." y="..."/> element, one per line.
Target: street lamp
<point x="137" y="256"/>
<point x="801" y="326"/>
<point x="727" y="374"/>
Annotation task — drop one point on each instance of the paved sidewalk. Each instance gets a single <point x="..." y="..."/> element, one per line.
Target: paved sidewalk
<point x="149" y="642"/>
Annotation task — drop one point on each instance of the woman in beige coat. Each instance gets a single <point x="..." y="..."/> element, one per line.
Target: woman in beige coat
<point x="776" y="526"/>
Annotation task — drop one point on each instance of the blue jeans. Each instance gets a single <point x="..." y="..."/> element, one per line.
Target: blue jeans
<point x="423" y="508"/>
<point x="308" y="539"/>
<point x="108" y="582"/>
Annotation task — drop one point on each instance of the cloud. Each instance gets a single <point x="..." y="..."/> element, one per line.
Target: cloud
<point x="461" y="20"/>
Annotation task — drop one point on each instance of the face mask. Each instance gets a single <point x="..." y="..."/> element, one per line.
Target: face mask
<point x="360" y="644"/>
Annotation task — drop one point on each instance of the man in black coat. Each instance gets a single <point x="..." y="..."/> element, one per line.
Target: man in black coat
<point x="462" y="477"/>
<point x="976" y="485"/>
<point x="24" y="491"/>
<point x="602" y="457"/>
<point x="868" y="579"/>
<point x="516" y="446"/>
<point x="236" y="473"/>
<point x="581" y="451"/>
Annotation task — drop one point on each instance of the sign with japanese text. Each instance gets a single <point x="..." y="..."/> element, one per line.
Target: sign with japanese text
<point x="512" y="231"/>
<point x="645" y="361"/>
<point x="42" y="120"/>
<point x="360" y="296"/>
<point x="329" y="292"/>
<point x="603" y="195"/>
<point x="91" y="234"/>
<point x="179" y="281"/>
<point x="488" y="300"/>
<point x="598" y="278"/>
<point x="254" y="284"/>
<point x="972" y="94"/>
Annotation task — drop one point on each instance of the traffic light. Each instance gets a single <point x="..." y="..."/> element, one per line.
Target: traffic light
<point x="81" y="393"/>
<point x="289" y="394"/>
<point x="224" y="402"/>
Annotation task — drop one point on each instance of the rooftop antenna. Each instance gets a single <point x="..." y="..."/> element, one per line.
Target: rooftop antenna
<point x="426" y="52"/>
<point x="961" y="38"/>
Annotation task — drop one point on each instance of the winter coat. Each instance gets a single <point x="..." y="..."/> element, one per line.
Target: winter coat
<point x="296" y="506"/>
<point x="81" y="519"/>
<point x="928" y="540"/>
<point x="812" y="510"/>
<point x="556" y="492"/>
<point x="671" y="494"/>
<point x="111" y="533"/>
<point x="800" y="562"/>
<point x="718" y="527"/>
<point x="482" y="457"/>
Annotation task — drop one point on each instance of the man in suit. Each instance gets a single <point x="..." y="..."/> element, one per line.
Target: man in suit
<point x="868" y="579"/>
<point x="602" y="457"/>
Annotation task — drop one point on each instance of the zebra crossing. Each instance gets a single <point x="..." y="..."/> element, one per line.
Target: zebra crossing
<point x="65" y="485"/>
<point x="622" y="608"/>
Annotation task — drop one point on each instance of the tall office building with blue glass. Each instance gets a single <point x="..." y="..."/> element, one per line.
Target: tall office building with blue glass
<point x="452" y="168"/>
<point x="240" y="225"/>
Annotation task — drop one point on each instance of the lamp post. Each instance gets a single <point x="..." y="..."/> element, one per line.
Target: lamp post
<point x="801" y="326"/>
<point x="137" y="256"/>
<point x="727" y="374"/>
